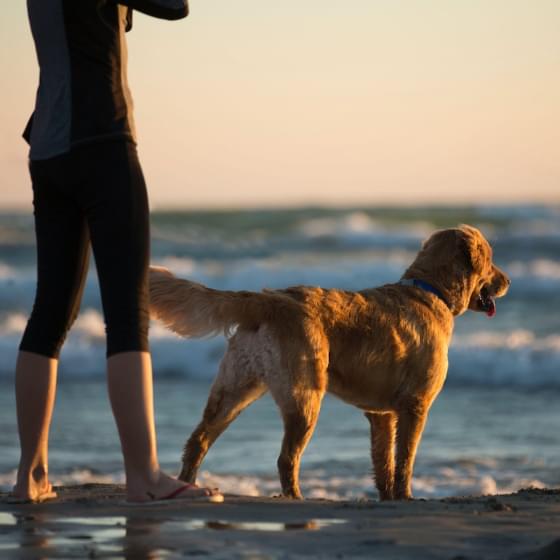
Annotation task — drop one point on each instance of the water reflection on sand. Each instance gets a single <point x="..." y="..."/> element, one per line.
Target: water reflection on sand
<point x="45" y="535"/>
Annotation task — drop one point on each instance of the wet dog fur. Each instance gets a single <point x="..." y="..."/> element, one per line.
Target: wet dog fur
<point x="383" y="350"/>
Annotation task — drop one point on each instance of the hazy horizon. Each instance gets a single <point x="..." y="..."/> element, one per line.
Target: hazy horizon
<point x="26" y="206"/>
<point x="257" y="104"/>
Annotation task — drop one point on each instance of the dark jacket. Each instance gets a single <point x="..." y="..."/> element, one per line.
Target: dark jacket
<point x="83" y="93"/>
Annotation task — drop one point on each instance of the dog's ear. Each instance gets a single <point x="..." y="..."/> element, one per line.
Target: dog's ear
<point x="443" y="246"/>
<point x="443" y="240"/>
<point x="473" y="247"/>
<point x="462" y="247"/>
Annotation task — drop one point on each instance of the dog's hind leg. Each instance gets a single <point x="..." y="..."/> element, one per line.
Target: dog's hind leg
<point x="298" y="383"/>
<point x="232" y="392"/>
<point x="382" y="427"/>
<point x="410" y="425"/>
<point x="299" y="414"/>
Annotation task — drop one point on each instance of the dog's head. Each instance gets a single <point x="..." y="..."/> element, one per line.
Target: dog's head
<point x="458" y="262"/>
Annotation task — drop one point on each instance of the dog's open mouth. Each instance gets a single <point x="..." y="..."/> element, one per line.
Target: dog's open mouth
<point x="486" y="303"/>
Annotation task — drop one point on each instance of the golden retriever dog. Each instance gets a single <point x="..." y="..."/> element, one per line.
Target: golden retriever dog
<point x="383" y="350"/>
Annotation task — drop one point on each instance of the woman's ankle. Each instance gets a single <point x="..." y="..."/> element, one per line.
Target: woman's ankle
<point x="32" y="481"/>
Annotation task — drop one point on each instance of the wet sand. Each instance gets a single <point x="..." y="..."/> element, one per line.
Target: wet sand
<point x="92" y="521"/>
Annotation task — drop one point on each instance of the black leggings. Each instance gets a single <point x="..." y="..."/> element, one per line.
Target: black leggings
<point x="94" y="194"/>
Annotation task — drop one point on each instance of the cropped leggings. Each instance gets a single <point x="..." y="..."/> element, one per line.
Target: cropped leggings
<point x="94" y="196"/>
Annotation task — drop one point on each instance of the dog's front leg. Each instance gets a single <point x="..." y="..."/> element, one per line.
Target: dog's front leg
<point x="410" y="425"/>
<point x="383" y="451"/>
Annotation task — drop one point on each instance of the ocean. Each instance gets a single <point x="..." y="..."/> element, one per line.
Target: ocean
<point x="494" y="428"/>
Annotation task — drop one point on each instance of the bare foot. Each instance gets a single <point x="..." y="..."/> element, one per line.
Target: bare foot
<point x="34" y="492"/>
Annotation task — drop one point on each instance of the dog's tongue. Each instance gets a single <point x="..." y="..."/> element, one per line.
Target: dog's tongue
<point x="489" y="306"/>
<point x="486" y="302"/>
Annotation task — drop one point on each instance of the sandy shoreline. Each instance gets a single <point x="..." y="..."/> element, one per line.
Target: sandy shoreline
<point x="92" y="521"/>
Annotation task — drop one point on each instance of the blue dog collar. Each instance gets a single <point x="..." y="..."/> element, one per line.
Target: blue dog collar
<point x="425" y="286"/>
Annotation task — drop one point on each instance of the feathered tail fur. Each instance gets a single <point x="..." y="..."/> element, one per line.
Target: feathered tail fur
<point x="193" y="310"/>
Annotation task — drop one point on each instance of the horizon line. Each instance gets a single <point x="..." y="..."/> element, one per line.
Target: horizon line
<point x="168" y="207"/>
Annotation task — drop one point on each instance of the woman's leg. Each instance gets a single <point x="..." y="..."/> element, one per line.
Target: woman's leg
<point x="118" y="219"/>
<point x="35" y="395"/>
<point x="62" y="263"/>
<point x="131" y="395"/>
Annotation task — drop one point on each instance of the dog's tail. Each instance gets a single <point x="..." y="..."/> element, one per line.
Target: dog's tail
<point x="193" y="310"/>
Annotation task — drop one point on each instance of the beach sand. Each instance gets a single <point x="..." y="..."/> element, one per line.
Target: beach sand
<point x="92" y="521"/>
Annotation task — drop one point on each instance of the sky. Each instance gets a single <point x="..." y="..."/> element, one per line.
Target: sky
<point x="322" y="102"/>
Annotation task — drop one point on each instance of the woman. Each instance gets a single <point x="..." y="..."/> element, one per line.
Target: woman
<point x="89" y="189"/>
